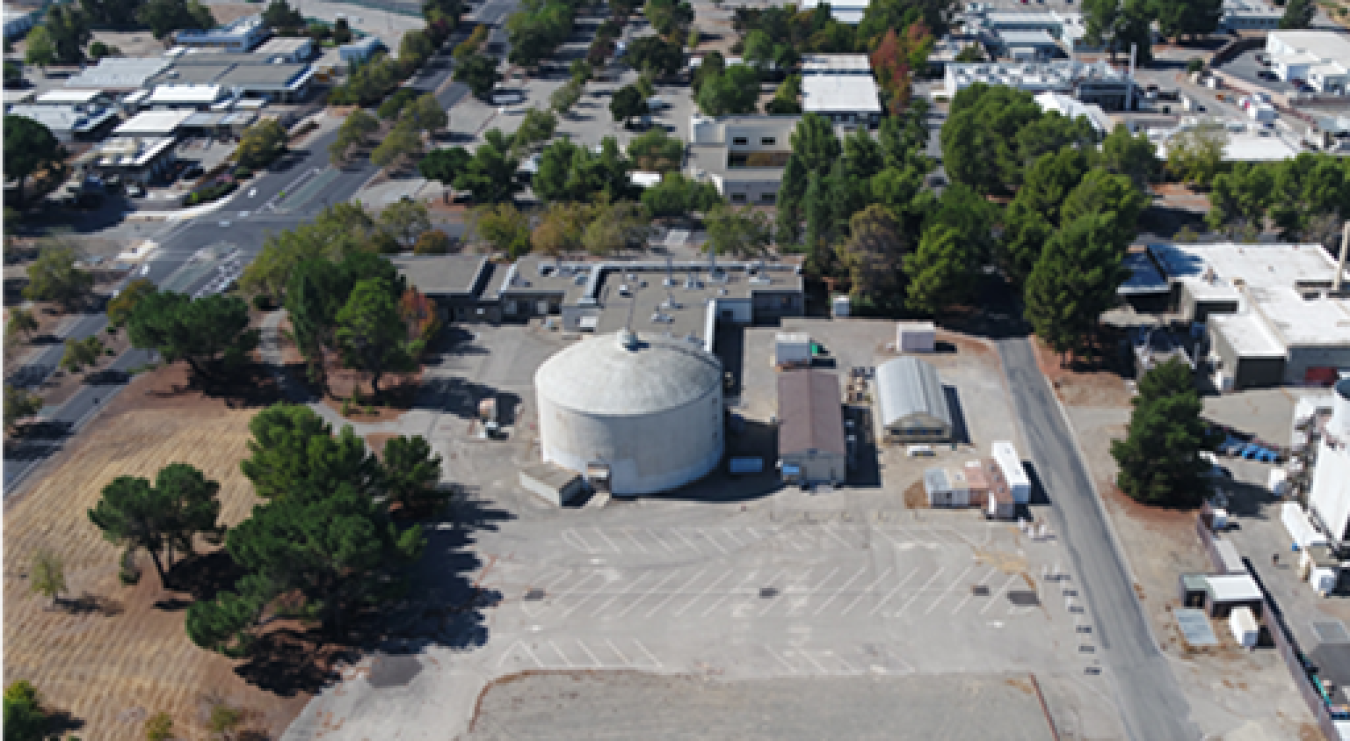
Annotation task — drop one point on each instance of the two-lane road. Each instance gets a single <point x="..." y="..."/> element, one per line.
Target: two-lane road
<point x="1147" y="693"/>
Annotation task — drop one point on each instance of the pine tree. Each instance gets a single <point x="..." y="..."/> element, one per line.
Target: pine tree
<point x="1074" y="281"/>
<point x="1160" y="459"/>
<point x="941" y="272"/>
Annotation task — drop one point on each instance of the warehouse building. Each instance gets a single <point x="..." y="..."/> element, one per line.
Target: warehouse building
<point x="1320" y="58"/>
<point x="70" y="123"/>
<point x="811" y="447"/>
<point x="911" y="402"/>
<point x="636" y="415"/>
<point x="241" y="35"/>
<point x="1273" y="314"/>
<point x="1096" y="83"/>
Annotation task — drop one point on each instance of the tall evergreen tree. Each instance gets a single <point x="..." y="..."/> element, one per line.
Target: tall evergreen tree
<point x="941" y="272"/>
<point x="1160" y="459"/>
<point x="1074" y="281"/>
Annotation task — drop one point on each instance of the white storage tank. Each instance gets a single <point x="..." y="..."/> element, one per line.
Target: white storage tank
<point x="648" y="411"/>
<point x="1010" y="464"/>
<point x="915" y="336"/>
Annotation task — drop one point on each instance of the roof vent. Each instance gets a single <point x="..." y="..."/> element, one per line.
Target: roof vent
<point x="628" y="339"/>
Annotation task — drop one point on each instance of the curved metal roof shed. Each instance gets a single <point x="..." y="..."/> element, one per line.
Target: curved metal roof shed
<point x="911" y="402"/>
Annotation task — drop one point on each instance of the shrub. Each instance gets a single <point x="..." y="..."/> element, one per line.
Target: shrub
<point x="263" y="302"/>
<point x="243" y="173"/>
<point x="1195" y="65"/>
<point x="433" y="242"/>
<point x="212" y="191"/>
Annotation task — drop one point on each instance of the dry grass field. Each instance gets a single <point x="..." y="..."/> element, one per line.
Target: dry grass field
<point x="115" y="655"/>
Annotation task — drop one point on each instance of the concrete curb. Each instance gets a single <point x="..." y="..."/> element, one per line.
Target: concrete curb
<point x="183" y="214"/>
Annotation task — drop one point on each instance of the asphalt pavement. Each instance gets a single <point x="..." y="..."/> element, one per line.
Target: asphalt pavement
<point x="1150" y="698"/>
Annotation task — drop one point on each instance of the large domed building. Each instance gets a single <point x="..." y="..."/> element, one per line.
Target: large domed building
<point x="649" y="410"/>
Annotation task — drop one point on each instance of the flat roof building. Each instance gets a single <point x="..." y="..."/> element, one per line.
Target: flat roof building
<point x="1246" y="142"/>
<point x="287" y="49"/>
<point x="1096" y="82"/>
<point x="240" y="35"/>
<point x="197" y="97"/>
<point x="132" y="159"/>
<point x="454" y="282"/>
<point x="1319" y="58"/>
<point x="847" y="99"/>
<point x="154" y="123"/>
<point x="119" y="74"/>
<point x="69" y="122"/>
<point x="1070" y="108"/>
<point x="836" y="64"/>
<point x="1270" y="315"/>
<point x="742" y="156"/>
<point x="1249" y="15"/>
<point x="74" y="98"/>
<point x="246" y="75"/>
<point x="811" y="447"/>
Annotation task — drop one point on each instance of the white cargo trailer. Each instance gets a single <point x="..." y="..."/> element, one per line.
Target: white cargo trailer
<point x="1010" y="464"/>
<point x="1245" y="629"/>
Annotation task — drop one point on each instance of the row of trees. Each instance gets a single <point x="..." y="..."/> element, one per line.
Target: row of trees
<point x="1307" y="198"/>
<point x="414" y="118"/>
<point x="538" y="29"/>
<point x="602" y="228"/>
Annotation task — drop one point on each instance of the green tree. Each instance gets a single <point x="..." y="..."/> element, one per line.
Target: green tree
<point x="24" y="717"/>
<point x="536" y="128"/>
<point x="280" y="15"/>
<point x="874" y="256"/>
<point x="81" y="354"/>
<point x="425" y="114"/>
<point x="411" y="472"/>
<point x="354" y="131"/>
<point x="565" y="98"/>
<point x="294" y="449"/>
<point x="164" y="17"/>
<point x="159" y="518"/>
<point x="121" y="305"/>
<point x="159" y="727"/>
<point x="677" y="196"/>
<point x="1132" y="156"/>
<point x="1074" y="281"/>
<point x="400" y="143"/>
<point x="40" y="52"/>
<point x="503" y="227"/>
<point x="626" y="103"/>
<point x="19" y="404"/>
<point x="815" y="144"/>
<point x="479" y="73"/>
<point x="406" y="220"/>
<point x="655" y="55"/>
<point x="743" y="233"/>
<point x="1191" y="18"/>
<point x="199" y="332"/>
<point x="370" y="333"/>
<point x="734" y="91"/>
<point x="656" y="151"/>
<point x="1298" y="14"/>
<point x="30" y="148"/>
<point x="559" y="229"/>
<point x="670" y="18"/>
<point x="1159" y="458"/>
<point x="615" y="226"/>
<point x="1103" y="193"/>
<point x="979" y="139"/>
<point x="1195" y="155"/>
<point x="21" y="320"/>
<point x="53" y="276"/>
<point x="445" y="166"/>
<point x="492" y="176"/>
<point x="69" y="30"/>
<point x="941" y="272"/>
<point x="47" y="577"/>
<point x="261" y="144"/>
<point x="339" y="232"/>
<point x="1025" y="233"/>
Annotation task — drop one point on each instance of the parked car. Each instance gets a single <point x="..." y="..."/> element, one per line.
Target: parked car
<point x="135" y="190"/>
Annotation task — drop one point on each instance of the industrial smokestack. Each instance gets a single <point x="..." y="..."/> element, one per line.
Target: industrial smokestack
<point x="1340" y="264"/>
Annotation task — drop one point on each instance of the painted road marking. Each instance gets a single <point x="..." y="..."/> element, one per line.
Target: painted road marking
<point x="658" y="540"/>
<point x="866" y="591"/>
<point x="638" y="601"/>
<point x="628" y="587"/>
<point x="984" y="580"/>
<point x="994" y="597"/>
<point x="891" y="593"/>
<point x="709" y="538"/>
<point x="703" y="594"/>
<point x="605" y="538"/>
<point x="675" y="593"/>
<point x="946" y="591"/>
<point x="592" y="656"/>
<point x="617" y="652"/>
<point x="636" y="542"/>
<point x="734" y="589"/>
<point x="811" y="592"/>
<point x="917" y="593"/>
<point x="561" y="655"/>
<point x="841" y="590"/>
<point x="655" y="662"/>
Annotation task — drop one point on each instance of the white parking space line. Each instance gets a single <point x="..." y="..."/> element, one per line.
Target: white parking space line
<point x="830" y="532"/>
<point x="557" y="599"/>
<point x="584" y="598"/>
<point x="984" y="580"/>
<point x="658" y="540"/>
<point x="948" y="590"/>
<point x="655" y="662"/>
<point x="687" y="541"/>
<point x="617" y="652"/>
<point x="574" y="539"/>
<point x="592" y="656"/>
<point x="840" y="591"/>
<point x="782" y="660"/>
<point x="808" y="657"/>
<point x="636" y="542"/>
<point x="994" y="597"/>
<point x="702" y="594"/>
<point x="890" y="594"/>
<point x="627" y="588"/>
<point x="732" y="537"/>
<point x="715" y="544"/>
<point x="605" y="538"/>
<point x="646" y="594"/>
<point x="866" y="591"/>
<point x="812" y="592"/>
<point x="675" y="593"/>
<point x="730" y="592"/>
<point x="782" y="593"/>
<point x="561" y="655"/>
<point x="917" y="593"/>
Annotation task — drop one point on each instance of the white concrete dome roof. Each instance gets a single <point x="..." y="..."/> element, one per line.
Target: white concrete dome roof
<point x="624" y="375"/>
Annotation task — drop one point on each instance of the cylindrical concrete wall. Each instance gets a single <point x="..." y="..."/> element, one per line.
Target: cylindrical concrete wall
<point x="651" y="411"/>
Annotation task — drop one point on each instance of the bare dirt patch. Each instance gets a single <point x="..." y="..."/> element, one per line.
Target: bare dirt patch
<point x="399" y="390"/>
<point x="1077" y="384"/>
<point x="118" y="654"/>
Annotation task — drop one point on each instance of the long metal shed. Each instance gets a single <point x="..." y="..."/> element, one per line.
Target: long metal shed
<point x="911" y="402"/>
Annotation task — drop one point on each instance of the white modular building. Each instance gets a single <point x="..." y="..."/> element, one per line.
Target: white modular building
<point x="638" y="416"/>
<point x="1319" y="58"/>
<point x="1010" y="464"/>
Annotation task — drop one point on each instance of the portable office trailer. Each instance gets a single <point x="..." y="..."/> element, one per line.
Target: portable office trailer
<point x="915" y="336"/>
<point x="1227" y="592"/>
<point x="1010" y="464"/>
<point x="946" y="487"/>
<point x="1245" y="629"/>
<point x="1230" y="561"/>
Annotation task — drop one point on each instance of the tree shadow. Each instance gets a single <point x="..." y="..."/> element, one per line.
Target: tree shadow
<point x="249" y="386"/>
<point x="204" y="575"/>
<point x="61" y="722"/>
<point x="91" y="604"/>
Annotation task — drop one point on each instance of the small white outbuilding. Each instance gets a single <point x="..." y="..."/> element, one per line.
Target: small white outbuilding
<point x="1245" y="629"/>
<point x="915" y="336"/>
<point x="1010" y="463"/>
